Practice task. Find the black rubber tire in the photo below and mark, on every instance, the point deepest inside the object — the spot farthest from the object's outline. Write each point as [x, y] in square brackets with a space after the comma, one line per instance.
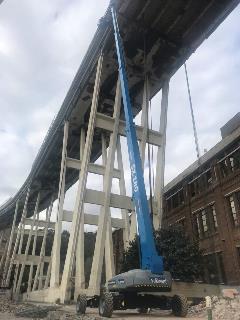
[106, 304]
[179, 306]
[81, 304]
[142, 310]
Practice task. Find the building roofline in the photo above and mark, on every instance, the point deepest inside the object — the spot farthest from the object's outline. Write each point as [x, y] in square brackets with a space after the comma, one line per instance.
[219, 147]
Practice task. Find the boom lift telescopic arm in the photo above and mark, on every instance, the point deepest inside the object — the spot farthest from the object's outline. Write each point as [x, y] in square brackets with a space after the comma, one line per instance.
[150, 260]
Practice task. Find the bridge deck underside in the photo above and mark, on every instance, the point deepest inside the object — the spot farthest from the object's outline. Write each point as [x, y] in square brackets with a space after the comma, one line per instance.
[158, 37]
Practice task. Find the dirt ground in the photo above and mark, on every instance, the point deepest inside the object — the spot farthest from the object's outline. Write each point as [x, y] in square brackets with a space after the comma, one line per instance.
[68, 312]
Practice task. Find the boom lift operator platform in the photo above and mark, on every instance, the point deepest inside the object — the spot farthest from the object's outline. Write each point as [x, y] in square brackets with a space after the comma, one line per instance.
[135, 289]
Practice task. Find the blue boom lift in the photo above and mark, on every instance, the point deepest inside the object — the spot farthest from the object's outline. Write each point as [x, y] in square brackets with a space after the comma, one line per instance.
[135, 289]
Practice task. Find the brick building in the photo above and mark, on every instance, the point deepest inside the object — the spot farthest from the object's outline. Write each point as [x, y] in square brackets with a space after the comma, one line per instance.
[205, 199]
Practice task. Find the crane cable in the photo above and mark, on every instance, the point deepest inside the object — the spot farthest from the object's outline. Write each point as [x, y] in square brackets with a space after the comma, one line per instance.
[192, 115]
[212, 243]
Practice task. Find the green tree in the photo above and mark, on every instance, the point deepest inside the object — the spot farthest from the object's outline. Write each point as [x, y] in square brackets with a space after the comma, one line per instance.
[182, 257]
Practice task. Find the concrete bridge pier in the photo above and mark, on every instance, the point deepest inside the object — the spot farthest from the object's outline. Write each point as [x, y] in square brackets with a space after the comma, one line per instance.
[47, 284]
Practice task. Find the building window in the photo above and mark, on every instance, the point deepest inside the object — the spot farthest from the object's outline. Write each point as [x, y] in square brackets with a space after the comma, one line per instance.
[233, 199]
[180, 223]
[230, 163]
[175, 199]
[196, 226]
[214, 216]
[209, 177]
[224, 168]
[214, 268]
[201, 182]
[205, 221]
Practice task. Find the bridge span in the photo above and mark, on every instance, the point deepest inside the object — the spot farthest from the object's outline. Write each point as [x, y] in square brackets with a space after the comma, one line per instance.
[158, 36]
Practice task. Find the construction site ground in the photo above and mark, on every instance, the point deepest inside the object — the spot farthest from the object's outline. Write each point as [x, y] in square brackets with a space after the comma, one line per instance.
[227, 308]
[68, 312]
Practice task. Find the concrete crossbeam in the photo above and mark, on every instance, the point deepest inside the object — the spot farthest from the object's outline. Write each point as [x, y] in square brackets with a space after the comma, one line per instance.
[41, 223]
[92, 168]
[20, 258]
[107, 123]
[38, 233]
[92, 219]
[116, 200]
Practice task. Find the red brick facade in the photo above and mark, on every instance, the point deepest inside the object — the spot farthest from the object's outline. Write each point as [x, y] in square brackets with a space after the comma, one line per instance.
[205, 199]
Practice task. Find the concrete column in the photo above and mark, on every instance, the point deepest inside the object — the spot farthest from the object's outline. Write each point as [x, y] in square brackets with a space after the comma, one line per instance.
[21, 225]
[27, 246]
[47, 281]
[122, 188]
[9, 249]
[54, 281]
[109, 261]
[95, 277]
[1, 238]
[133, 226]
[40, 277]
[42, 252]
[33, 253]
[18, 263]
[79, 202]
[144, 120]
[3, 249]
[80, 274]
[159, 184]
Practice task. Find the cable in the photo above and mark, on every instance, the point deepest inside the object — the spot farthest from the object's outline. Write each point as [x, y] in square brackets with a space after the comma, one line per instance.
[192, 114]
[200, 168]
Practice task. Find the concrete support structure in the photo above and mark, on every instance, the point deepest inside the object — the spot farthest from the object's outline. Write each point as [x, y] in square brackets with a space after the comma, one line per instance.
[79, 272]
[22, 268]
[160, 166]
[144, 120]
[3, 248]
[42, 252]
[58, 228]
[53, 285]
[78, 207]
[10, 243]
[104, 231]
[18, 240]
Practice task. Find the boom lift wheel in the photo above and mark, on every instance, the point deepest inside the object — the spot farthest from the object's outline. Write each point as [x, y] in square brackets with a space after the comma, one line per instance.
[81, 304]
[179, 306]
[106, 304]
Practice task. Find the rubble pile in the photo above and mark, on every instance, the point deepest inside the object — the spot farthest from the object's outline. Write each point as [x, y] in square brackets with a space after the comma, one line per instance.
[34, 311]
[6, 305]
[198, 310]
[223, 308]
[61, 315]
[24, 309]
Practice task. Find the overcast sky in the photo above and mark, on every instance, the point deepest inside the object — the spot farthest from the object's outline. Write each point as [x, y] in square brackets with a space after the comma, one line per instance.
[42, 44]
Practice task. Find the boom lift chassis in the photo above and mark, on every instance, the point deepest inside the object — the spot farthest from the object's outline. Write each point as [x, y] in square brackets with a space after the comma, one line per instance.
[140, 288]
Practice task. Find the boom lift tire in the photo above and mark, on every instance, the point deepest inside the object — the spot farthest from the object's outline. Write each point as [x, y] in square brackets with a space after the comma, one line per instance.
[81, 304]
[106, 304]
[179, 306]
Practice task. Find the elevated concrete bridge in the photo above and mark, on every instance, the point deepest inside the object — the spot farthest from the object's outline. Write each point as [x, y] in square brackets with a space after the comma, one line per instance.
[158, 37]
